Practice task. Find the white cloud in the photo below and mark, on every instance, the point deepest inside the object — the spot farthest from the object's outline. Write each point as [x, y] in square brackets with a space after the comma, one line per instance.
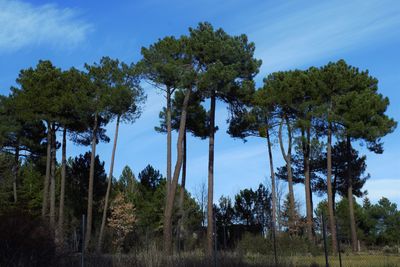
[23, 24]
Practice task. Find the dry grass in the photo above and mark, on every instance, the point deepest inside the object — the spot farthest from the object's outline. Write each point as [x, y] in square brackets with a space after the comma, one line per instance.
[154, 258]
[351, 260]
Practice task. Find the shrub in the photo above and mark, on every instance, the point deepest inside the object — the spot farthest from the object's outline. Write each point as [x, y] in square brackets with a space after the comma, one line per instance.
[25, 241]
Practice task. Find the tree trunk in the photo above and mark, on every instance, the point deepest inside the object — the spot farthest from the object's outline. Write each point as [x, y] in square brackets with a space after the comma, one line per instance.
[331, 202]
[169, 141]
[62, 186]
[182, 192]
[90, 189]
[167, 231]
[53, 178]
[350, 198]
[288, 159]
[103, 220]
[271, 167]
[16, 170]
[45, 200]
[307, 184]
[210, 215]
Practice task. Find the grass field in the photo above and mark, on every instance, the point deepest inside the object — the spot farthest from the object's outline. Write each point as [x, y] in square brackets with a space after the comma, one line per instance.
[361, 260]
[196, 259]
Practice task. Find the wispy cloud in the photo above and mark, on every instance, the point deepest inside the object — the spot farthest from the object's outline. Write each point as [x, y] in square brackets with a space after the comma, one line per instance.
[291, 37]
[24, 24]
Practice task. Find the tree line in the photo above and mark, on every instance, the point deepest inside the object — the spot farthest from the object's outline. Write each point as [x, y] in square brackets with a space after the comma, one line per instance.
[305, 110]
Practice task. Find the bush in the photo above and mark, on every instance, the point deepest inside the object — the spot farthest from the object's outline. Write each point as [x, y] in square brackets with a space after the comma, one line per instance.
[285, 245]
[25, 241]
[255, 244]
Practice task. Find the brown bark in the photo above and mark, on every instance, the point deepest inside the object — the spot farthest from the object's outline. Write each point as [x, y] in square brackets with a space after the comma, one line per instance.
[62, 186]
[183, 184]
[353, 229]
[45, 200]
[307, 185]
[53, 179]
[331, 202]
[90, 189]
[103, 220]
[169, 205]
[169, 141]
[16, 170]
[288, 159]
[271, 167]
[210, 215]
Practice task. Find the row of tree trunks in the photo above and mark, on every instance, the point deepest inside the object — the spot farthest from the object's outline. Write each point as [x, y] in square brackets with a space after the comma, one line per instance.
[49, 190]
[288, 159]
[60, 230]
[331, 201]
[306, 139]
[45, 200]
[182, 192]
[90, 189]
[103, 220]
[16, 170]
[53, 178]
[167, 229]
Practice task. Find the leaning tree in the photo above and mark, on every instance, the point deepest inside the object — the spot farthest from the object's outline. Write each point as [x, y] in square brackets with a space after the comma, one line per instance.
[197, 121]
[162, 66]
[97, 114]
[125, 104]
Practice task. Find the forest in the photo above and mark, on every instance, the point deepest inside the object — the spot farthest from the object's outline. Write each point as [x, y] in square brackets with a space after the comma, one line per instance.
[63, 210]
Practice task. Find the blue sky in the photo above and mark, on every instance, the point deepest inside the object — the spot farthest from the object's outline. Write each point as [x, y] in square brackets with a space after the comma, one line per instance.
[290, 34]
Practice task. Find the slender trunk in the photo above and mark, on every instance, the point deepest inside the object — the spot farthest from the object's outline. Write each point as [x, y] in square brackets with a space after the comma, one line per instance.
[210, 215]
[307, 184]
[53, 179]
[271, 167]
[62, 186]
[288, 159]
[16, 170]
[169, 141]
[183, 183]
[110, 175]
[45, 200]
[90, 189]
[350, 197]
[169, 205]
[330, 195]
[334, 188]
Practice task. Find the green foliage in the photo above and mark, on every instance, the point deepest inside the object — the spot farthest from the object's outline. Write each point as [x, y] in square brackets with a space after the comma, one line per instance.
[164, 63]
[40, 93]
[381, 222]
[127, 182]
[287, 246]
[30, 190]
[150, 178]
[225, 212]
[197, 118]
[6, 166]
[225, 63]
[77, 186]
[147, 194]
